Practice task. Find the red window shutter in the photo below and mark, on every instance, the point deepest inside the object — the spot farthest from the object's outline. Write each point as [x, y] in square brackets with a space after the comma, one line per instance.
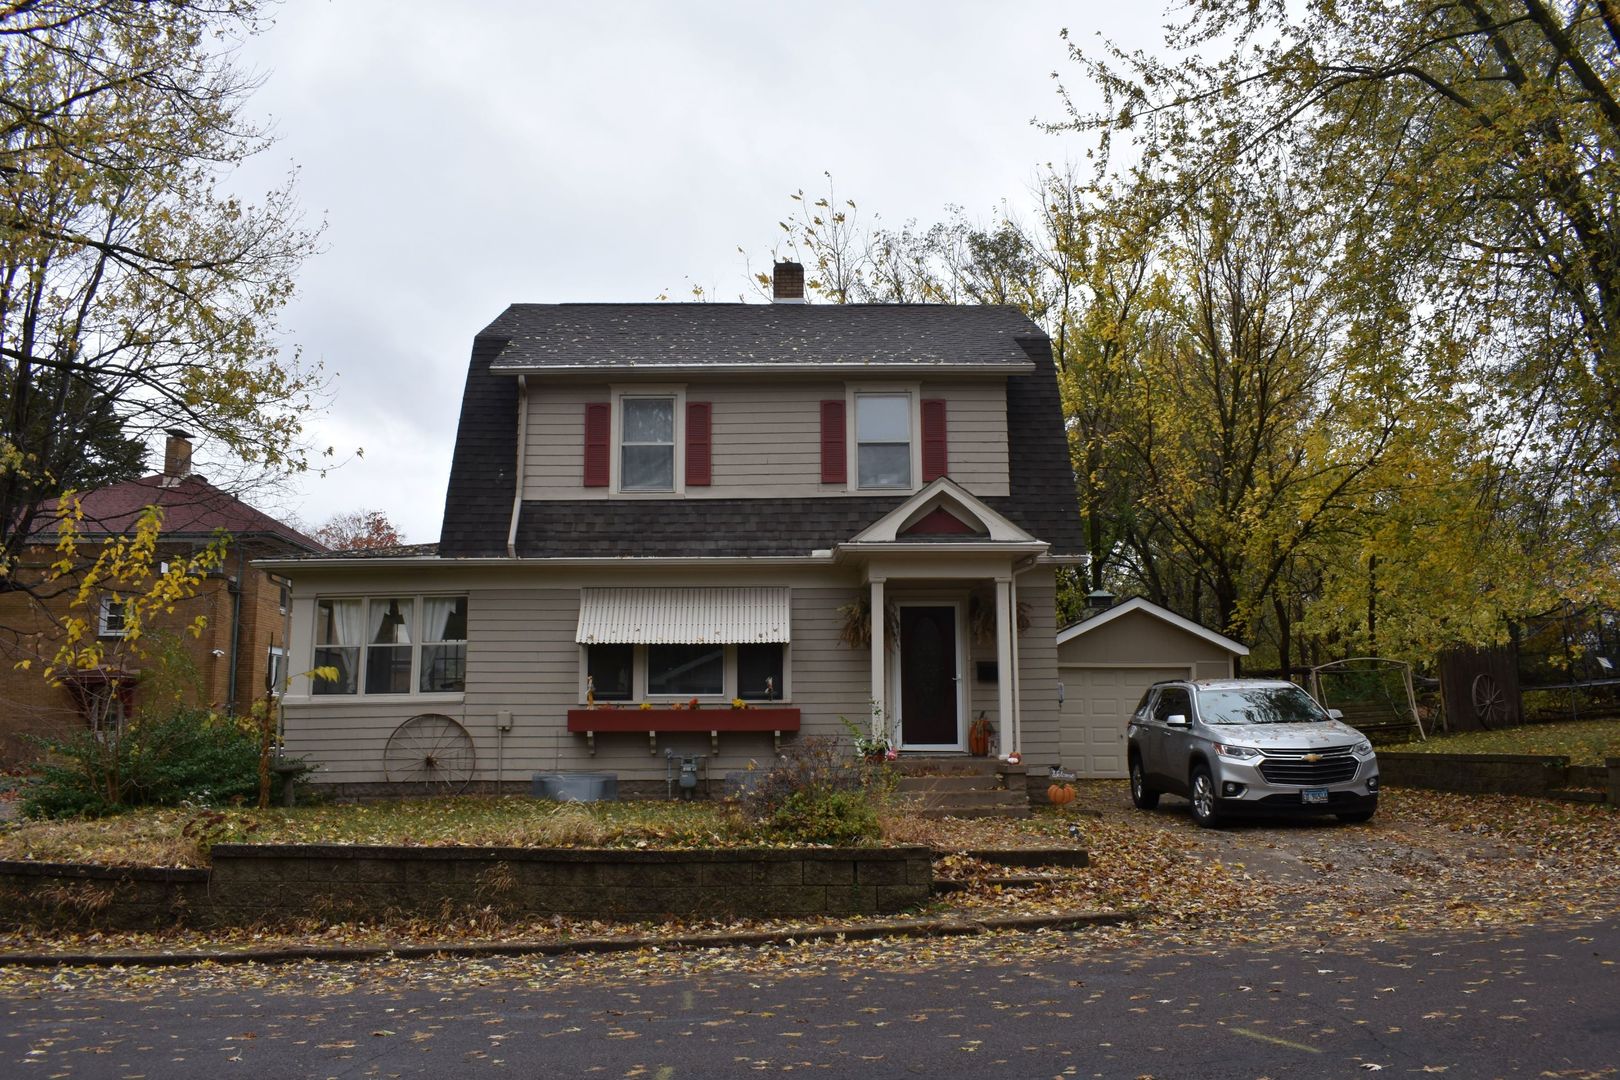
[598, 442]
[833, 454]
[697, 443]
[936, 460]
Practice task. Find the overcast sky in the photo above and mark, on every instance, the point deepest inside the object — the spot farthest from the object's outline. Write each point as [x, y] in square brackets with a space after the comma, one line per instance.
[469, 156]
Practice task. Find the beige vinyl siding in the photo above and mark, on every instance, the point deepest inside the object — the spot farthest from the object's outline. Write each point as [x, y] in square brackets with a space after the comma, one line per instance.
[1037, 668]
[766, 437]
[522, 658]
[1139, 638]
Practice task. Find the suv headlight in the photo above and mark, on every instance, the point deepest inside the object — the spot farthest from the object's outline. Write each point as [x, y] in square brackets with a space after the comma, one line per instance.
[1237, 753]
[1362, 748]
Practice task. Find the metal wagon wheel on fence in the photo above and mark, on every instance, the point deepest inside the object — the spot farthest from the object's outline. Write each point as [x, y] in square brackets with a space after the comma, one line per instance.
[1490, 702]
[432, 753]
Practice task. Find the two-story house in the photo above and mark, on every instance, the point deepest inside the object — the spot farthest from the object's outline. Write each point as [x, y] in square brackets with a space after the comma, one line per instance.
[653, 506]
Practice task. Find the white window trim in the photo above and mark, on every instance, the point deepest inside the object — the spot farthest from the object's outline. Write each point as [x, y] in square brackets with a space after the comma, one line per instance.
[415, 693]
[638, 680]
[675, 391]
[852, 439]
[105, 616]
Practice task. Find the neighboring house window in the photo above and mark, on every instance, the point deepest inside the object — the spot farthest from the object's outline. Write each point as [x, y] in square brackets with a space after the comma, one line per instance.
[681, 670]
[112, 617]
[284, 596]
[883, 440]
[623, 672]
[612, 671]
[444, 644]
[647, 444]
[392, 645]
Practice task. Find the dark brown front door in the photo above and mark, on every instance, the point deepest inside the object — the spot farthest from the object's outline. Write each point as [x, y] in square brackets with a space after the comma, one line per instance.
[928, 677]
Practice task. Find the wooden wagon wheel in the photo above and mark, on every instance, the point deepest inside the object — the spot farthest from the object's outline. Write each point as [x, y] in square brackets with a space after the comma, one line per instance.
[432, 753]
[1490, 703]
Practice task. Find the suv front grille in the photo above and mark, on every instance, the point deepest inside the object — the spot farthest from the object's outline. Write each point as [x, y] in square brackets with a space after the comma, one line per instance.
[1333, 766]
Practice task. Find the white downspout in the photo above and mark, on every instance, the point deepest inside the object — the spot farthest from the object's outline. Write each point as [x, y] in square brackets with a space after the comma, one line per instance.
[522, 451]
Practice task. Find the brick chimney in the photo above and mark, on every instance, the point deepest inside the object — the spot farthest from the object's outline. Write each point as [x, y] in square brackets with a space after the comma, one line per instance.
[787, 283]
[177, 456]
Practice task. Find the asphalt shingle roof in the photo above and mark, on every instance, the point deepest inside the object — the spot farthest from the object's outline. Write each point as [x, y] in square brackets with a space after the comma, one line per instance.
[191, 507]
[657, 336]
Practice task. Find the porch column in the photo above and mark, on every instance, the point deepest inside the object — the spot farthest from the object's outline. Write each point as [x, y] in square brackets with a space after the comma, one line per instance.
[1006, 731]
[880, 712]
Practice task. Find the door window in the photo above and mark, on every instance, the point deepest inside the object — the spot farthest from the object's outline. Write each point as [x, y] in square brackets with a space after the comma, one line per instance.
[1173, 701]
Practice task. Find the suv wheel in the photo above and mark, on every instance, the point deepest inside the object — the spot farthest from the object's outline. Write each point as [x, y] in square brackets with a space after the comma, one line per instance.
[1142, 796]
[1203, 798]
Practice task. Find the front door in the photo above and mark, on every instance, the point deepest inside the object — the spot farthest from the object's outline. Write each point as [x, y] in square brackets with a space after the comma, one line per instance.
[929, 679]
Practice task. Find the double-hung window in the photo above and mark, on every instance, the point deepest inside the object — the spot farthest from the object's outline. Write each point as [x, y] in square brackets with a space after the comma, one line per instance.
[112, 618]
[391, 644]
[883, 440]
[647, 446]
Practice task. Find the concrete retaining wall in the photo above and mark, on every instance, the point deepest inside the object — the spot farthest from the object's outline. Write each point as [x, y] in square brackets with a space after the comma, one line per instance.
[252, 883]
[1502, 774]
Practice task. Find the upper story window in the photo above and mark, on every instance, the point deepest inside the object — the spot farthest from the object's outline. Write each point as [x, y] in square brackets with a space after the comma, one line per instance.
[112, 618]
[391, 645]
[647, 444]
[883, 440]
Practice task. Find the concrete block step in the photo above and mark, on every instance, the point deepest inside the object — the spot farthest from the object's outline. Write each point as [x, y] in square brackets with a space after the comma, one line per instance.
[1579, 795]
[929, 784]
[962, 766]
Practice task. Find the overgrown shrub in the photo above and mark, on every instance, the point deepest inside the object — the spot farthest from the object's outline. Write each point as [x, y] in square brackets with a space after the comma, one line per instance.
[816, 793]
[186, 756]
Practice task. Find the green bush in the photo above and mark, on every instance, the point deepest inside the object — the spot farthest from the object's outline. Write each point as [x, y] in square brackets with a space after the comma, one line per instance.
[825, 817]
[817, 794]
[187, 756]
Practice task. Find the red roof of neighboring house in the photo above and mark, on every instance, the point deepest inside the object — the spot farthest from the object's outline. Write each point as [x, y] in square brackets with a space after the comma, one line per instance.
[191, 506]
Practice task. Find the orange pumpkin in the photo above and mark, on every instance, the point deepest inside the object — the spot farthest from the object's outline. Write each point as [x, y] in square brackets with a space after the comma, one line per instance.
[979, 737]
[1060, 794]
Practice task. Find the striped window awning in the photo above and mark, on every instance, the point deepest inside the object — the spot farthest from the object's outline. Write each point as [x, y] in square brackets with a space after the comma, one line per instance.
[680, 616]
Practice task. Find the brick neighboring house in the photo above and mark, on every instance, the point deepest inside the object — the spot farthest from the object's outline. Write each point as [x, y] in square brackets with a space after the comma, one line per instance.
[246, 607]
[657, 504]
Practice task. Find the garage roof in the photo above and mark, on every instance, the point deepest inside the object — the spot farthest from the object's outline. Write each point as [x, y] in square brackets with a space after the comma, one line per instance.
[1148, 607]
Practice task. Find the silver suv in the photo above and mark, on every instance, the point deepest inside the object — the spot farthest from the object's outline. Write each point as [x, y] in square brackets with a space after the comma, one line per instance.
[1248, 745]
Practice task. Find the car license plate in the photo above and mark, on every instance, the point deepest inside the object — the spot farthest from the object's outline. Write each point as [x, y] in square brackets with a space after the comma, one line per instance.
[1315, 795]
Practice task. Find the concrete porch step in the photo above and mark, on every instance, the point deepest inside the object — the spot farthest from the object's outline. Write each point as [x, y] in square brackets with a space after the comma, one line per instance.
[945, 766]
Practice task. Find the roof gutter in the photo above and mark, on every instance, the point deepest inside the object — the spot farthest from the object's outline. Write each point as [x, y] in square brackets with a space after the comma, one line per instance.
[522, 451]
[751, 368]
[425, 562]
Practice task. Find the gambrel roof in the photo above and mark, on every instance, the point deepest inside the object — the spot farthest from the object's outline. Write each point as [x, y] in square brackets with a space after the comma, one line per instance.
[895, 340]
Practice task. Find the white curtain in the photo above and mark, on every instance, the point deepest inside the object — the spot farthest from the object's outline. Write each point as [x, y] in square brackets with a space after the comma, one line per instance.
[437, 611]
[343, 625]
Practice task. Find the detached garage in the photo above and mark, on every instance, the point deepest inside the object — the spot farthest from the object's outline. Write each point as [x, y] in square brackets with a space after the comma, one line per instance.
[1106, 661]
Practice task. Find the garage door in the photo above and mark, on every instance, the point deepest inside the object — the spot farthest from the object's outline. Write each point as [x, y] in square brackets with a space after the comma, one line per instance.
[1097, 703]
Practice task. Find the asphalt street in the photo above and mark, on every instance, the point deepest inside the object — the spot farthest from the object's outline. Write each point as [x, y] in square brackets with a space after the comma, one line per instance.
[1542, 1001]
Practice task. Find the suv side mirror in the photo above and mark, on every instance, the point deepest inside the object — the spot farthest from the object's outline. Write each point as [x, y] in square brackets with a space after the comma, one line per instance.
[1335, 714]
[1177, 720]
